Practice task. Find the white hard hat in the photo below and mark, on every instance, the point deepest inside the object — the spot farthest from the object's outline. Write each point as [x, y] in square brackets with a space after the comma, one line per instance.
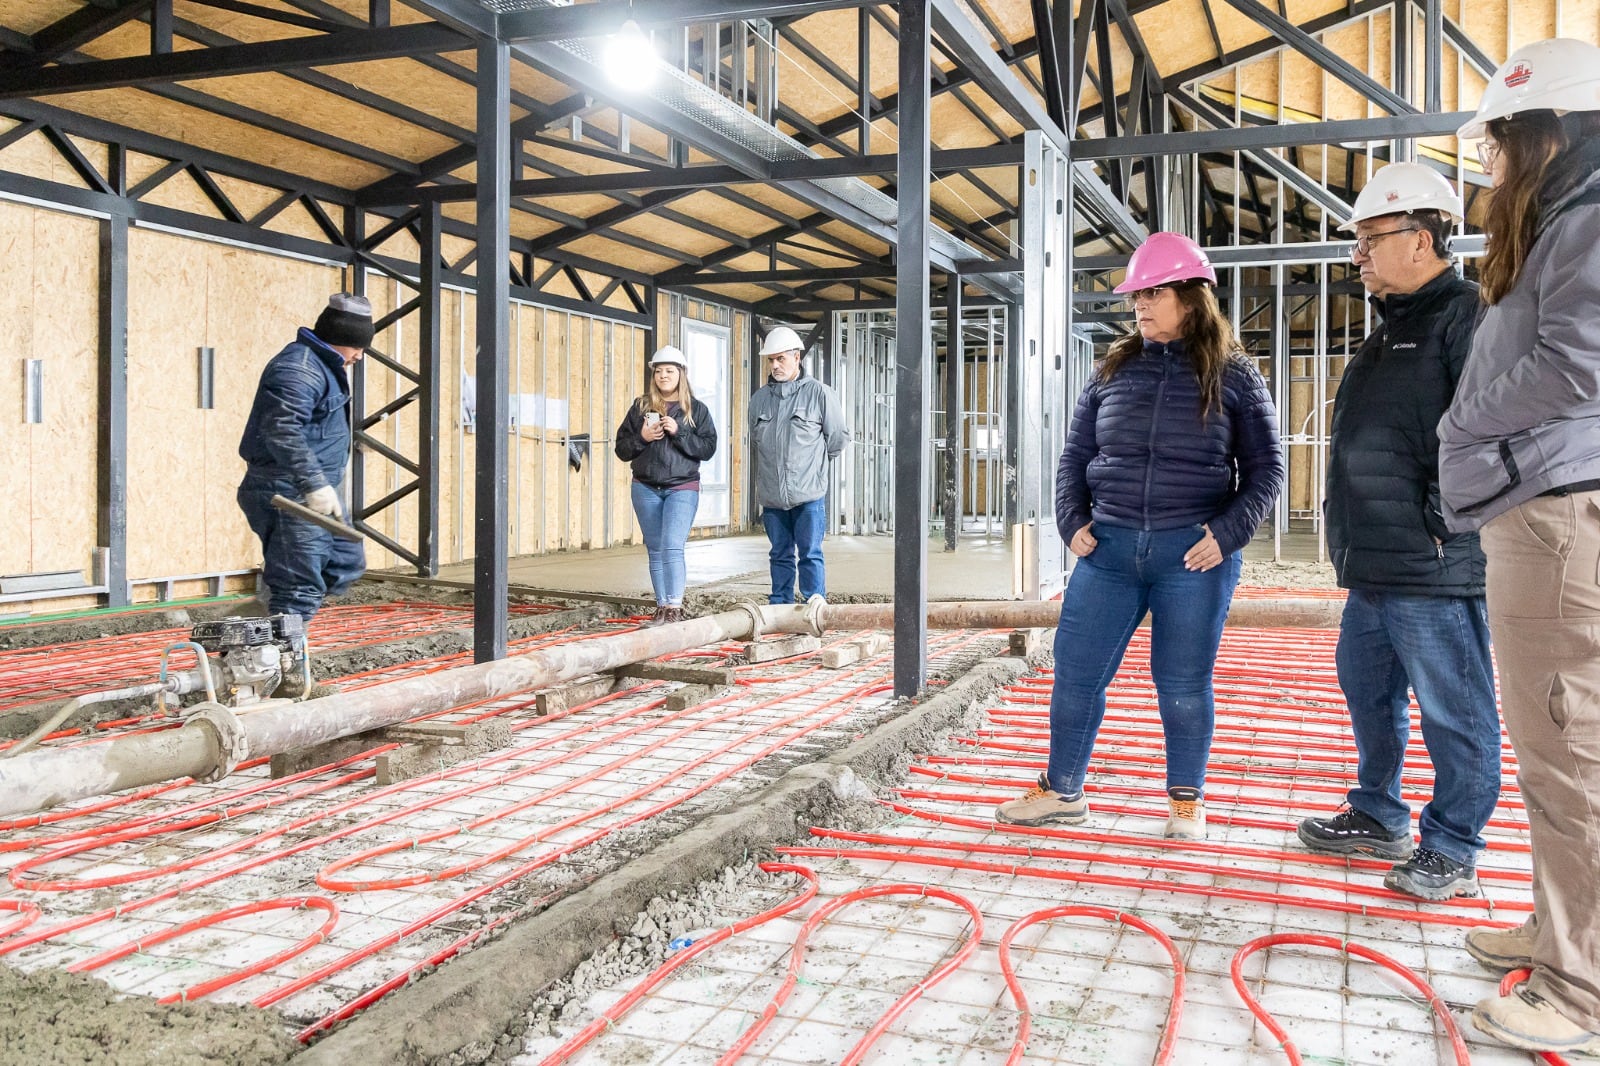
[668, 354]
[1560, 74]
[781, 339]
[1400, 188]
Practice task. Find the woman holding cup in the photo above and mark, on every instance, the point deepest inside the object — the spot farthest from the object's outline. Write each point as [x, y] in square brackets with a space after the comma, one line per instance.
[666, 435]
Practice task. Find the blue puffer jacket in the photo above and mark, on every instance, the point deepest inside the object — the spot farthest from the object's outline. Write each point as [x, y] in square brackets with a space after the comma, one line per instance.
[299, 426]
[1138, 455]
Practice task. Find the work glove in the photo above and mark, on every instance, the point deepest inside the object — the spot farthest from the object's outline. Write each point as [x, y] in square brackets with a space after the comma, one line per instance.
[323, 501]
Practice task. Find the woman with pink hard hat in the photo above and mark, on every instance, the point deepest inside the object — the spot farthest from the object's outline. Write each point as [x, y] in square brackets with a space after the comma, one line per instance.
[1172, 461]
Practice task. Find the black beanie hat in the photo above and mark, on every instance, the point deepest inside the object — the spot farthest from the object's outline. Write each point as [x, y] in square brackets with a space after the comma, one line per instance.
[346, 322]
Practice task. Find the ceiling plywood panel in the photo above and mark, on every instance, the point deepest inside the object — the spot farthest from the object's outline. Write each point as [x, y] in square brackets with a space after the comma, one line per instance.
[808, 89]
[778, 200]
[602, 249]
[180, 122]
[1344, 101]
[1176, 34]
[670, 234]
[726, 213]
[1485, 22]
[1236, 29]
[955, 125]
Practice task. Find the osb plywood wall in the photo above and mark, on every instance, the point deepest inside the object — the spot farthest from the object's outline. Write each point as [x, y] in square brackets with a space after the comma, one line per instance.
[671, 311]
[183, 460]
[572, 376]
[48, 312]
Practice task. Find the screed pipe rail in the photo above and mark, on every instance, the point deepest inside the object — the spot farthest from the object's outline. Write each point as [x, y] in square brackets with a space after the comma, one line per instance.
[214, 739]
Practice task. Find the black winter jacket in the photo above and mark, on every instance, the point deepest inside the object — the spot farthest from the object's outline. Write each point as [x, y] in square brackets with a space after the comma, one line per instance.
[672, 460]
[1138, 455]
[299, 426]
[1386, 529]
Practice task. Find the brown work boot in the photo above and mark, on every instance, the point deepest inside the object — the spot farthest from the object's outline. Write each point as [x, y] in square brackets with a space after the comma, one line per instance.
[1503, 949]
[1041, 805]
[1186, 814]
[674, 614]
[1527, 1020]
[659, 618]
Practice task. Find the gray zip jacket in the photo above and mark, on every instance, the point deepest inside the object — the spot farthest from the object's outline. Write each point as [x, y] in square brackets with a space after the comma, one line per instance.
[795, 428]
[1526, 415]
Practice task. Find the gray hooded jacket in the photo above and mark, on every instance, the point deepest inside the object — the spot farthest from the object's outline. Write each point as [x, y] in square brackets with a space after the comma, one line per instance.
[795, 428]
[1526, 415]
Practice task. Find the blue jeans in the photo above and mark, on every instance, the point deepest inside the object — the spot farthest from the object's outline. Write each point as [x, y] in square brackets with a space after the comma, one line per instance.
[301, 564]
[1438, 646]
[665, 517]
[1129, 572]
[796, 536]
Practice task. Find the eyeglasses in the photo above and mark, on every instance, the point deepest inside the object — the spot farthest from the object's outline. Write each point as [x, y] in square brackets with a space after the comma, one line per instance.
[1146, 295]
[1488, 152]
[1364, 244]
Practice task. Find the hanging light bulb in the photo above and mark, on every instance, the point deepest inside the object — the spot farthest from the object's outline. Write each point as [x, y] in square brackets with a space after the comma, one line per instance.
[630, 59]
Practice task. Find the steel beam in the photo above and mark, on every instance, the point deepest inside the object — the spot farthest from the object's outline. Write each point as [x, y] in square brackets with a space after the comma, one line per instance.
[959, 37]
[1291, 175]
[72, 31]
[1271, 135]
[913, 342]
[1268, 254]
[1321, 54]
[354, 46]
[489, 615]
[604, 17]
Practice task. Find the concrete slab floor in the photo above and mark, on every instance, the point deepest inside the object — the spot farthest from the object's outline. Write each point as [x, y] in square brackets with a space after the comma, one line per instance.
[979, 569]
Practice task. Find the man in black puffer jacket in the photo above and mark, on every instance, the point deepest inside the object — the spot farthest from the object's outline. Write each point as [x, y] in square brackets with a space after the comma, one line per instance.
[1415, 619]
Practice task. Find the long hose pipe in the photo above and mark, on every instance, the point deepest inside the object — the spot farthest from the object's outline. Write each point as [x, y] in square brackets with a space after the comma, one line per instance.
[215, 739]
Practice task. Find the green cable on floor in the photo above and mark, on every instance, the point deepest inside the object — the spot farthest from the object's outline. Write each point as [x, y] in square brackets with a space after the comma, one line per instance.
[107, 612]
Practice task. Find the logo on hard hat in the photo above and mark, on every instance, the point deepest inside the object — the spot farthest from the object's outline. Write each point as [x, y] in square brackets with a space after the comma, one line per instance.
[1518, 76]
[1392, 197]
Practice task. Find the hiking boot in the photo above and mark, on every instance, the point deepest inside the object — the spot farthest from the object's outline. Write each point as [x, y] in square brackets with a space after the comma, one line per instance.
[657, 619]
[1186, 817]
[1527, 1020]
[1041, 805]
[1352, 832]
[1503, 949]
[674, 614]
[1430, 874]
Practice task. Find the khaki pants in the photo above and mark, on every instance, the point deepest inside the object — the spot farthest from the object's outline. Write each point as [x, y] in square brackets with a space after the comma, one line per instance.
[1544, 613]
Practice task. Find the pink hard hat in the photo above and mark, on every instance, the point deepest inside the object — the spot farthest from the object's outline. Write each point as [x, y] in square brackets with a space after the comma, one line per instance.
[1164, 258]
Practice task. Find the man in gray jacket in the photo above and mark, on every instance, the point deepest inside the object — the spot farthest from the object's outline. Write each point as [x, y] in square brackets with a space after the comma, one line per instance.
[796, 426]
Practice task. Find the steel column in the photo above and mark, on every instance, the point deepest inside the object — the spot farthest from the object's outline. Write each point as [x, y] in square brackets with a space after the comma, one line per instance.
[954, 364]
[913, 342]
[429, 342]
[494, 346]
[112, 448]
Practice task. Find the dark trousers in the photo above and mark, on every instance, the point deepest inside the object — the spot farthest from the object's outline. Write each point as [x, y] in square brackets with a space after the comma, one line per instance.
[301, 564]
[1390, 645]
[796, 536]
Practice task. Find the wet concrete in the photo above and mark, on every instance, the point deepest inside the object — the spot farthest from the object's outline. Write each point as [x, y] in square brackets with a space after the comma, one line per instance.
[476, 1008]
[325, 666]
[53, 1018]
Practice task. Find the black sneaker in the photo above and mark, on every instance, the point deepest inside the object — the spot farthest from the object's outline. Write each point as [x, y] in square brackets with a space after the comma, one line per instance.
[1352, 832]
[1432, 875]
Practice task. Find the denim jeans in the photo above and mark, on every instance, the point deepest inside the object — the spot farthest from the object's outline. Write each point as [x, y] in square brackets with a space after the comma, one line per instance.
[1390, 643]
[796, 536]
[301, 564]
[1129, 572]
[665, 516]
